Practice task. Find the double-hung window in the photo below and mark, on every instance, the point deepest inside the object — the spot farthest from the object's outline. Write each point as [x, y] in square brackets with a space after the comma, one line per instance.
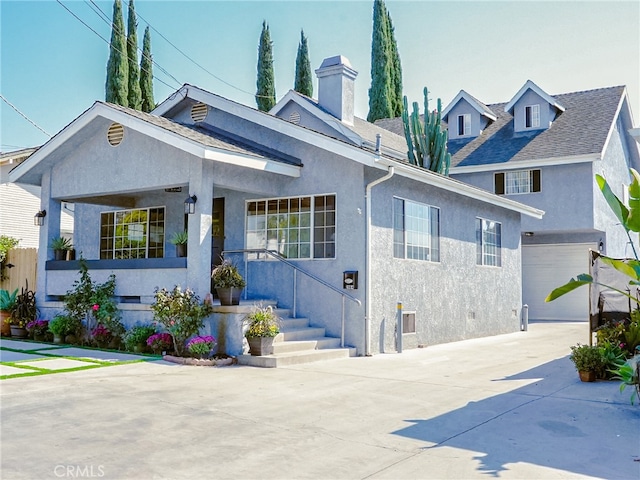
[464, 124]
[488, 242]
[137, 233]
[298, 227]
[517, 181]
[532, 116]
[416, 231]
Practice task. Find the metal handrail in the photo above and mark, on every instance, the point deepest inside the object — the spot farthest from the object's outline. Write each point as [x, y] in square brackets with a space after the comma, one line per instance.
[296, 269]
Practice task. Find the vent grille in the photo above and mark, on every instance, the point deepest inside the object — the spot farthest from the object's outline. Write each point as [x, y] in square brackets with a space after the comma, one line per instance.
[294, 117]
[199, 112]
[115, 134]
[409, 322]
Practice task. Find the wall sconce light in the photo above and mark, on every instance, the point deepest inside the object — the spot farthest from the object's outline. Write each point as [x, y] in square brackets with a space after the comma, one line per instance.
[190, 204]
[38, 218]
[601, 246]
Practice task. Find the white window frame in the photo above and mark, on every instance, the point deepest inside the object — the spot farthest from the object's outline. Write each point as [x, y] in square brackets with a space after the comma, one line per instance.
[153, 231]
[517, 182]
[533, 115]
[466, 124]
[313, 229]
[488, 253]
[418, 241]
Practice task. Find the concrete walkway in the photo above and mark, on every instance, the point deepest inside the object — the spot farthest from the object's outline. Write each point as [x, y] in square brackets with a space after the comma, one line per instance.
[510, 406]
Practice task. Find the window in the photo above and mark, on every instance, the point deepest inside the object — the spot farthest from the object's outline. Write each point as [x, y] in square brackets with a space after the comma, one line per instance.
[416, 231]
[488, 242]
[126, 234]
[532, 116]
[464, 124]
[301, 227]
[517, 181]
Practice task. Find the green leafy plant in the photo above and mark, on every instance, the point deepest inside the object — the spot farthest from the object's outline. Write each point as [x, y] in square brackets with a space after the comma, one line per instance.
[262, 322]
[612, 357]
[226, 275]
[138, 335]
[7, 300]
[24, 309]
[180, 238]
[587, 358]
[628, 375]
[6, 244]
[201, 346]
[64, 325]
[60, 243]
[181, 314]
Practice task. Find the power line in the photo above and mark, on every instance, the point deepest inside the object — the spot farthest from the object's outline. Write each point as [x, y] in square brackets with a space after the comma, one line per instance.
[24, 116]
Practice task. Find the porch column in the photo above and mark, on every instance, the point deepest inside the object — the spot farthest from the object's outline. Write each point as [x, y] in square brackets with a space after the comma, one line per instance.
[199, 243]
[49, 229]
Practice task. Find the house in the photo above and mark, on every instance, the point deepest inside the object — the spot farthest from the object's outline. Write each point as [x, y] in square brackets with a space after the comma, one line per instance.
[331, 193]
[545, 150]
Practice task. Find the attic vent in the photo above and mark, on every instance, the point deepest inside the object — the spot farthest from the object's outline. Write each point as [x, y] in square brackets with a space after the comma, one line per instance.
[294, 117]
[199, 112]
[115, 134]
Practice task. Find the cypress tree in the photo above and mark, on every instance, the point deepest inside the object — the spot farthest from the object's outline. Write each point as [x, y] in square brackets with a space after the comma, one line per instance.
[381, 93]
[396, 70]
[304, 80]
[135, 96]
[146, 74]
[116, 87]
[266, 84]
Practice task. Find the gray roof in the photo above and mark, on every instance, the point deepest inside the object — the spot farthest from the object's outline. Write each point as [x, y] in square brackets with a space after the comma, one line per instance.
[581, 129]
[208, 138]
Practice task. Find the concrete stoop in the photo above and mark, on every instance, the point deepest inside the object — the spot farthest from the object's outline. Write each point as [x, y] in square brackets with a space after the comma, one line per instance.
[298, 343]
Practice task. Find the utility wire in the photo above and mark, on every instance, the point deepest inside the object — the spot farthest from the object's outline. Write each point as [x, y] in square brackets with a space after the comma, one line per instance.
[24, 116]
[109, 43]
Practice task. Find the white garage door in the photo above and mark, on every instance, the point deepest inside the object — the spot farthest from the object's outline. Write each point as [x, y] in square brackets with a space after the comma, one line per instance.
[545, 267]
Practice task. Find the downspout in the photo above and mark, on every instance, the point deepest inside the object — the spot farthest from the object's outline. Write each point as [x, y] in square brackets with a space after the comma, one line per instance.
[367, 311]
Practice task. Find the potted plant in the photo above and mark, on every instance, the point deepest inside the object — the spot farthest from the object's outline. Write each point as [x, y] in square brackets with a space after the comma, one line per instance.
[159, 342]
[60, 245]
[588, 361]
[23, 311]
[228, 283]
[64, 328]
[7, 300]
[262, 327]
[180, 239]
[135, 340]
[201, 346]
[38, 330]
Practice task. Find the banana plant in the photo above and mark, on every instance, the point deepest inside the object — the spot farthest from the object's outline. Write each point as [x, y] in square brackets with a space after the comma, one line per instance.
[629, 218]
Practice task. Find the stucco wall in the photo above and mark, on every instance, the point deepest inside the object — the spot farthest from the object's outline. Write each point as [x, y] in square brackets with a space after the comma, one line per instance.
[461, 108]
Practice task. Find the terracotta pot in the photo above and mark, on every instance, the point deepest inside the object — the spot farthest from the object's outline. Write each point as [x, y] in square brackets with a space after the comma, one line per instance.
[587, 376]
[259, 346]
[6, 328]
[229, 296]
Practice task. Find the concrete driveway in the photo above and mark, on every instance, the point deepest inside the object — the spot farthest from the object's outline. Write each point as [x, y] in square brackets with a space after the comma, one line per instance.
[510, 406]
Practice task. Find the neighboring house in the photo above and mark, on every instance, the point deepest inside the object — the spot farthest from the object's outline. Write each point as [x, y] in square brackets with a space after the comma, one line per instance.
[19, 203]
[544, 151]
[309, 180]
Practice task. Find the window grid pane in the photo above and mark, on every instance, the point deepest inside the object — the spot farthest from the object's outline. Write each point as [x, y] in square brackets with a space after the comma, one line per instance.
[127, 234]
[519, 181]
[416, 231]
[488, 243]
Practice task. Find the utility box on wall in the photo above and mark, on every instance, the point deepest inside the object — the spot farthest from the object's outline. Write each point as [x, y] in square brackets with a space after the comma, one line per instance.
[350, 280]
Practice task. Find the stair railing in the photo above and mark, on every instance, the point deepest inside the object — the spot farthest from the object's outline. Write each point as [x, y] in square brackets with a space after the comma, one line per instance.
[275, 255]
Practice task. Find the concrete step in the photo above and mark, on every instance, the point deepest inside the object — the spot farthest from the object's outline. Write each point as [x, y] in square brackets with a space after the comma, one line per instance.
[308, 333]
[301, 345]
[296, 358]
[289, 323]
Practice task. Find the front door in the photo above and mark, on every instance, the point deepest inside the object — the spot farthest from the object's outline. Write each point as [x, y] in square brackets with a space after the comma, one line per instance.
[217, 233]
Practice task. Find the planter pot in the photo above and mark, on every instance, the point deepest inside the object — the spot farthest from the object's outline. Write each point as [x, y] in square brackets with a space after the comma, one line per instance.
[229, 296]
[138, 348]
[6, 328]
[259, 346]
[71, 339]
[71, 254]
[181, 250]
[18, 332]
[57, 338]
[587, 376]
[59, 254]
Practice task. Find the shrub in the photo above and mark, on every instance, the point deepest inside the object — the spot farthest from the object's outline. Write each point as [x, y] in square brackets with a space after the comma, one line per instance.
[587, 358]
[159, 342]
[64, 325]
[38, 327]
[138, 335]
[101, 335]
[201, 346]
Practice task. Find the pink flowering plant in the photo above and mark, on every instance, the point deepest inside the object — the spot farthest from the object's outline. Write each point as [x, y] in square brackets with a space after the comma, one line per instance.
[38, 327]
[201, 346]
[181, 314]
[101, 335]
[159, 342]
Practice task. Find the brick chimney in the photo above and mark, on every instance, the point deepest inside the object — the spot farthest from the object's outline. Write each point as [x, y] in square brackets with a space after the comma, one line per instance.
[336, 79]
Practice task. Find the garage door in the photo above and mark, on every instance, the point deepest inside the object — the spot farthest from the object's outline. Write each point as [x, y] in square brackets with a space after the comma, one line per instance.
[545, 267]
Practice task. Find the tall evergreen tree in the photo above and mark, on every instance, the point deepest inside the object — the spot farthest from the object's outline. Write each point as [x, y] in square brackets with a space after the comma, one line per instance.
[116, 87]
[385, 94]
[266, 84]
[304, 80]
[396, 70]
[135, 96]
[146, 74]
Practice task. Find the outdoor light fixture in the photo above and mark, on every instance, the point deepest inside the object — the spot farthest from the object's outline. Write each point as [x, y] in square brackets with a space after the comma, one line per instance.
[38, 218]
[190, 204]
[601, 246]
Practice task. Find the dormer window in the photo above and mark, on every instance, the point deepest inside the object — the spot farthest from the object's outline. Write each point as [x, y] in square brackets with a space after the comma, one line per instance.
[464, 124]
[532, 116]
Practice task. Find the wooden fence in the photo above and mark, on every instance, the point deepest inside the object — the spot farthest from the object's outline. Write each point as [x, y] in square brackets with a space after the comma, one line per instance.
[23, 271]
